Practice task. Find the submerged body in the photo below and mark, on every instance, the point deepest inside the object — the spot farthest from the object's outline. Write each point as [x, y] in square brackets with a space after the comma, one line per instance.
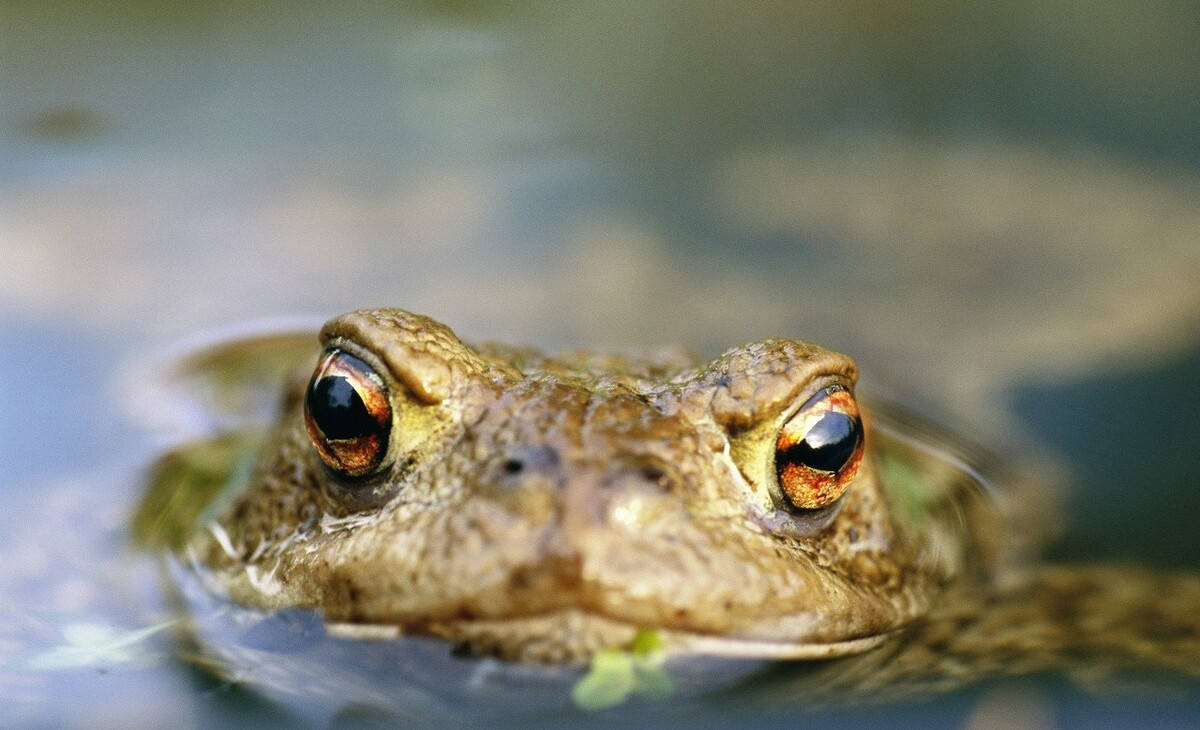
[546, 508]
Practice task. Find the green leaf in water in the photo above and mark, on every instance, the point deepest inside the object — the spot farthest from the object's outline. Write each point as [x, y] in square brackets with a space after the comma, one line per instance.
[615, 675]
[608, 683]
[647, 643]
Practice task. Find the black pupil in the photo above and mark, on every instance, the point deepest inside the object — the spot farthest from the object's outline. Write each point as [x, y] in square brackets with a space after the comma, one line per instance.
[338, 410]
[828, 445]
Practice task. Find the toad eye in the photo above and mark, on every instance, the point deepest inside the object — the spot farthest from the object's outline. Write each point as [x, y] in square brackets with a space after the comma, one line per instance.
[347, 414]
[819, 449]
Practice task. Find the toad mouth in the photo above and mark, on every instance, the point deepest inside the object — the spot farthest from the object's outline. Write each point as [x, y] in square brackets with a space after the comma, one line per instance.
[574, 635]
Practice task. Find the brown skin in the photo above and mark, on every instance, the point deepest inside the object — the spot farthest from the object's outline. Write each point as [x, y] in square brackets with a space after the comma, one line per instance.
[545, 507]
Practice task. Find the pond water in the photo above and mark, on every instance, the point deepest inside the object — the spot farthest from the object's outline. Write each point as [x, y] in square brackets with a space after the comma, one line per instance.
[995, 210]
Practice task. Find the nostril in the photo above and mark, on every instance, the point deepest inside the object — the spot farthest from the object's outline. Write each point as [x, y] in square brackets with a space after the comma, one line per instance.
[529, 459]
[524, 479]
[635, 494]
[654, 474]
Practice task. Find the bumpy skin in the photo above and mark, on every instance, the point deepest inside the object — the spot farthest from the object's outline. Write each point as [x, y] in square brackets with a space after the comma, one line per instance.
[644, 496]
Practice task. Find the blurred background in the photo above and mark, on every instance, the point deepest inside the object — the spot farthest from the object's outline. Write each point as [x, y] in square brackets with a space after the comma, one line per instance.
[993, 206]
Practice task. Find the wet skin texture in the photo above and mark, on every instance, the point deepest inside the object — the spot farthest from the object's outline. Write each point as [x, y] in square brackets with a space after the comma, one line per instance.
[543, 507]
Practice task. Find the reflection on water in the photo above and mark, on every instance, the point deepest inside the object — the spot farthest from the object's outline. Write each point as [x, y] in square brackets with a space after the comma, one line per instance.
[992, 201]
[1135, 505]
